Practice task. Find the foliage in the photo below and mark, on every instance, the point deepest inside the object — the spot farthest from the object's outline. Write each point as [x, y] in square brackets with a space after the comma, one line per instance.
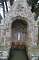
[35, 6]
[32, 2]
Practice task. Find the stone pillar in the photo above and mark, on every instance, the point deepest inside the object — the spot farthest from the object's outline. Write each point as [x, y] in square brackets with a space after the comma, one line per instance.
[35, 34]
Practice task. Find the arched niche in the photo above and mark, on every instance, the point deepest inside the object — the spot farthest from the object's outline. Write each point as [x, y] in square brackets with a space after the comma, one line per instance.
[28, 29]
[26, 26]
[19, 31]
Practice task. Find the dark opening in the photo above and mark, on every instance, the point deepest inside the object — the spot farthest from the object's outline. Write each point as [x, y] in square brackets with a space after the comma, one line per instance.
[19, 24]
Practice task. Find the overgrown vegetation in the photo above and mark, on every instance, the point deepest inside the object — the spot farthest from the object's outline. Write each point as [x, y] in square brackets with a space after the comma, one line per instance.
[35, 7]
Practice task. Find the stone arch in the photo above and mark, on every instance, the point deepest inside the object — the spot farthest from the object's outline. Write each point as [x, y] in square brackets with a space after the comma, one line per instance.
[30, 29]
[22, 18]
[29, 24]
[19, 26]
[17, 21]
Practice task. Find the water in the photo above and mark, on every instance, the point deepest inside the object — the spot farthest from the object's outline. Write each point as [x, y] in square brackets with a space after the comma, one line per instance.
[17, 54]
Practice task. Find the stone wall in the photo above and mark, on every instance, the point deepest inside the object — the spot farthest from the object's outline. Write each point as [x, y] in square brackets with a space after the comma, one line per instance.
[19, 11]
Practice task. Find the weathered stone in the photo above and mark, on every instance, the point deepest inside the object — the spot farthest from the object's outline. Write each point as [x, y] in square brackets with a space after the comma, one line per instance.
[20, 10]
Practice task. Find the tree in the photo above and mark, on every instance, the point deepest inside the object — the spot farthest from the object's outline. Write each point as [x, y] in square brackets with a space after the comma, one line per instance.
[34, 7]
